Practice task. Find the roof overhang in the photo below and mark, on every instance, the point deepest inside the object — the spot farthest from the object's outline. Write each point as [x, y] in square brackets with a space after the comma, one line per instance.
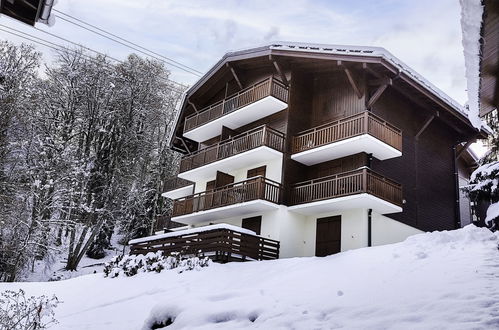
[368, 55]
[489, 58]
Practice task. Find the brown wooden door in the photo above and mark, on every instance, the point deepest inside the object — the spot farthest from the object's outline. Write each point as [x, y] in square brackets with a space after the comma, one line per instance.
[223, 196]
[207, 201]
[253, 223]
[328, 236]
[223, 179]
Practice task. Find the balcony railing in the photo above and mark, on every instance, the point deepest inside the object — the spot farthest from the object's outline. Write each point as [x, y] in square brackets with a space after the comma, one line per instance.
[176, 183]
[359, 124]
[349, 183]
[268, 87]
[257, 137]
[219, 243]
[255, 188]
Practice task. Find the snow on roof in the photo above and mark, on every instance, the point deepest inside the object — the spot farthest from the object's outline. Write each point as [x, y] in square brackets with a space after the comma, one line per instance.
[192, 231]
[374, 52]
[471, 22]
[378, 52]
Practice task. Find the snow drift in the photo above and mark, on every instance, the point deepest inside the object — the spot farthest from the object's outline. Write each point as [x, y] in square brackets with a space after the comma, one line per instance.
[443, 280]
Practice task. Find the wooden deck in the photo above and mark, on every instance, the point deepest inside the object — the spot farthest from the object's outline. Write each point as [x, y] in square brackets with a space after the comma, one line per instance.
[220, 244]
[359, 124]
[252, 189]
[350, 183]
[254, 138]
[267, 87]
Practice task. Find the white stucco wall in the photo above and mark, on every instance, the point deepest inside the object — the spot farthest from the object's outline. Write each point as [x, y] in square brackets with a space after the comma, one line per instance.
[387, 231]
[353, 230]
[281, 225]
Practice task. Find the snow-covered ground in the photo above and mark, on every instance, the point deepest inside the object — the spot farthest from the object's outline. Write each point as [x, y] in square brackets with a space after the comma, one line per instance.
[52, 265]
[440, 280]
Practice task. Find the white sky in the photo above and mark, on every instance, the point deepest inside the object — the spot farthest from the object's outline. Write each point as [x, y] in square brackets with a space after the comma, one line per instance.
[425, 34]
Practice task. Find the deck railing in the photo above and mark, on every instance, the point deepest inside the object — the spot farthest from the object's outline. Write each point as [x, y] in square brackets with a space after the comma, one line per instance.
[362, 123]
[176, 183]
[267, 87]
[349, 183]
[220, 244]
[257, 137]
[255, 188]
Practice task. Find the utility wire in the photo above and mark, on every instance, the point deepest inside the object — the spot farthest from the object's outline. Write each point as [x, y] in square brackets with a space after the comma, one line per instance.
[92, 50]
[58, 47]
[130, 42]
[126, 45]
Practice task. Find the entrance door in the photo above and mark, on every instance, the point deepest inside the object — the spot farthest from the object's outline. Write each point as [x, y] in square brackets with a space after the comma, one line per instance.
[328, 236]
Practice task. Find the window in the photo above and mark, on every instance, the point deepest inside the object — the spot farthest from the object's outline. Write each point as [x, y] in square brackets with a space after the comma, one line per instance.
[253, 223]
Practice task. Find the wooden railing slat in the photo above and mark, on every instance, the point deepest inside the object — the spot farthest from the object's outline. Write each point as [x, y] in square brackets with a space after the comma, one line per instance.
[224, 242]
[268, 87]
[260, 136]
[362, 123]
[344, 184]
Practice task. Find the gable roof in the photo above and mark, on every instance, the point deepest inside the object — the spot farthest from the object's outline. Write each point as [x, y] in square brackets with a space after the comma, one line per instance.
[352, 51]
[362, 54]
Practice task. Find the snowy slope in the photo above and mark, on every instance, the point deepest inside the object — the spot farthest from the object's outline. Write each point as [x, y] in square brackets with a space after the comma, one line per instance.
[440, 280]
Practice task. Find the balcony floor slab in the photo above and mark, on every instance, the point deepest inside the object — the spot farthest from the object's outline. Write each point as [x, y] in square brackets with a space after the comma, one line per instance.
[359, 201]
[179, 192]
[247, 114]
[244, 159]
[227, 212]
[363, 143]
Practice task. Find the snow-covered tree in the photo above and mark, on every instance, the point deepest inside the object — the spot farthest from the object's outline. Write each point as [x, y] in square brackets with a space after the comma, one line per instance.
[485, 188]
[83, 152]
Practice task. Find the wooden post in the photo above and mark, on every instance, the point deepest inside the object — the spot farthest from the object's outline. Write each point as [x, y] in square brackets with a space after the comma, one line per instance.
[366, 122]
[364, 180]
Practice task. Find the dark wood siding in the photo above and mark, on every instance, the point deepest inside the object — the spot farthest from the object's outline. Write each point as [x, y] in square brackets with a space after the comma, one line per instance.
[317, 96]
[425, 168]
[334, 98]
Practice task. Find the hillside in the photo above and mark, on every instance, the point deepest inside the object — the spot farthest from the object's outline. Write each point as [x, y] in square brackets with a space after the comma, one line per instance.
[442, 280]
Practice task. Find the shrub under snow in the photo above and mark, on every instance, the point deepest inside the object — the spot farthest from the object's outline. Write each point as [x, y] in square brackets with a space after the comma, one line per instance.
[130, 265]
[18, 312]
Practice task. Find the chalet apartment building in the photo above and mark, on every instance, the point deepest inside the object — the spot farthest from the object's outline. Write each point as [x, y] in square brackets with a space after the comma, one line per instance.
[322, 148]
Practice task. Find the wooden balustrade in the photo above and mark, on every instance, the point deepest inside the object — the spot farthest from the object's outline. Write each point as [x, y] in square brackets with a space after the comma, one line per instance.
[362, 123]
[349, 183]
[257, 137]
[176, 183]
[267, 87]
[252, 189]
[220, 244]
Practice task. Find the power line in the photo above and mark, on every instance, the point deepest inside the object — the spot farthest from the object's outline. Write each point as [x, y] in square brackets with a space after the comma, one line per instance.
[134, 48]
[130, 42]
[61, 47]
[90, 49]
[58, 47]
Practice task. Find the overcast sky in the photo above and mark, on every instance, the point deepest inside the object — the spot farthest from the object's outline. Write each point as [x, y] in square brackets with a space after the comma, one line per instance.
[425, 34]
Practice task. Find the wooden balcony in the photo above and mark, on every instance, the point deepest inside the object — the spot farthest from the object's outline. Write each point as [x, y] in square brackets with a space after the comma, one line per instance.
[248, 105]
[262, 136]
[177, 187]
[252, 195]
[363, 132]
[222, 243]
[361, 188]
